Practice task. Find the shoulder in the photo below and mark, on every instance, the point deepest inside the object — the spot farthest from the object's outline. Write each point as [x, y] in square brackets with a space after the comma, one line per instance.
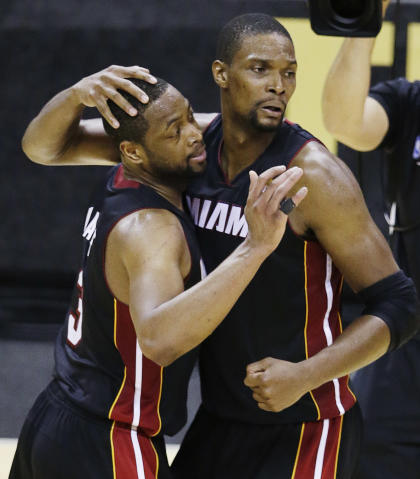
[147, 230]
[332, 189]
[320, 166]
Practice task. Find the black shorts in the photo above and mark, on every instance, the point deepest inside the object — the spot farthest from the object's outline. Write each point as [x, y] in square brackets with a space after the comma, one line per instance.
[59, 441]
[216, 448]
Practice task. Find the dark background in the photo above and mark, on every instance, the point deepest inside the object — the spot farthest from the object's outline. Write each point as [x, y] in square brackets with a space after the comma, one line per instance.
[46, 46]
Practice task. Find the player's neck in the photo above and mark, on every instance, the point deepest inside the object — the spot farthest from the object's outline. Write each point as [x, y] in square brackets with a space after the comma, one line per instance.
[170, 191]
[173, 195]
[242, 145]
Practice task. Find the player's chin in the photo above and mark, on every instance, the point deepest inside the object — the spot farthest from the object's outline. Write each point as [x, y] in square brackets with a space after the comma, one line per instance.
[269, 124]
[197, 168]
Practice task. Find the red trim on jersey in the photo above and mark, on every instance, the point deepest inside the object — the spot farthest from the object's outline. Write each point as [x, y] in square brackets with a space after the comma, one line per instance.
[291, 123]
[120, 181]
[146, 405]
[315, 335]
[301, 148]
[150, 398]
[124, 456]
[313, 449]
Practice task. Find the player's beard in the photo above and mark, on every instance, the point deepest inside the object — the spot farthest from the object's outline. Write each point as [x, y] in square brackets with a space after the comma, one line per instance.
[176, 175]
[255, 122]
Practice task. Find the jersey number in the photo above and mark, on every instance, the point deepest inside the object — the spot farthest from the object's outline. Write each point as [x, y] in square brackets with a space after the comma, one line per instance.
[74, 328]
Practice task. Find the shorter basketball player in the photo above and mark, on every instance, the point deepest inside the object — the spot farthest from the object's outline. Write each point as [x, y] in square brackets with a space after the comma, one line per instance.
[138, 304]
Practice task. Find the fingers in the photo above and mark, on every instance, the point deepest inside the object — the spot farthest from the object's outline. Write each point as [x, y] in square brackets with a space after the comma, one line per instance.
[300, 195]
[104, 110]
[135, 72]
[265, 179]
[117, 80]
[253, 180]
[259, 397]
[258, 366]
[255, 372]
[264, 407]
[252, 380]
[287, 205]
[97, 89]
[268, 190]
[122, 73]
[282, 185]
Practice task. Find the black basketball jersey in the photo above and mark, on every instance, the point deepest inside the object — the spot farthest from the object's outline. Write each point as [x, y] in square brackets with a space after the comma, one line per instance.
[99, 363]
[290, 310]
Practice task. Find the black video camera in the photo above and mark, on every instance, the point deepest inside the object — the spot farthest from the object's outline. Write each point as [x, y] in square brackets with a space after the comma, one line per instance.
[346, 18]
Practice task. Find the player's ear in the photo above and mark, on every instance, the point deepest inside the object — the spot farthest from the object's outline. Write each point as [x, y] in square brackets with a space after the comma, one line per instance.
[132, 151]
[220, 73]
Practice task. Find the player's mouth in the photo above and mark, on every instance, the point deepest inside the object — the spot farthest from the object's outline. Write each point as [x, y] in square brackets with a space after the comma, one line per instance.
[274, 111]
[273, 107]
[199, 156]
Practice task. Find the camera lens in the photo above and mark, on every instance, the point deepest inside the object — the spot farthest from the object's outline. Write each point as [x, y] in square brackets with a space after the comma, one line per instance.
[348, 8]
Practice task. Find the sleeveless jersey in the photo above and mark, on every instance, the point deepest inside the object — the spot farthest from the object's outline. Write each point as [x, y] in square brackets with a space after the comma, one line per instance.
[99, 363]
[289, 311]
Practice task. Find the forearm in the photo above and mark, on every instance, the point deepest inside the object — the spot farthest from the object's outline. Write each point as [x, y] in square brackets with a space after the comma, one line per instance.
[182, 323]
[361, 343]
[347, 86]
[54, 128]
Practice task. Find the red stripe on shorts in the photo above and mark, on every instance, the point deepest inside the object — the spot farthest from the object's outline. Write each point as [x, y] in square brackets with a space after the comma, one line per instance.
[134, 456]
[318, 449]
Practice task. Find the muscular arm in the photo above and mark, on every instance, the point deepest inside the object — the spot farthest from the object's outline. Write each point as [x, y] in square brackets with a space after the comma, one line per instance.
[336, 213]
[340, 220]
[147, 261]
[168, 320]
[349, 113]
[58, 136]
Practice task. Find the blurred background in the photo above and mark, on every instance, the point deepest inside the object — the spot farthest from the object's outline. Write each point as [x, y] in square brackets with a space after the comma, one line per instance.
[47, 46]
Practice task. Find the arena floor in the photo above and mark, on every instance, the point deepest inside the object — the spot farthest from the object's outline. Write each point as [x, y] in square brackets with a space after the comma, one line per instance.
[7, 449]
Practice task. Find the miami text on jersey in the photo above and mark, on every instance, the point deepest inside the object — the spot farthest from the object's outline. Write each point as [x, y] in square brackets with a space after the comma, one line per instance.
[223, 217]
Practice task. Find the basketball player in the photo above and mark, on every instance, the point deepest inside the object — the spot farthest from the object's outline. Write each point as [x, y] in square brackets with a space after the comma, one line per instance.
[275, 386]
[113, 394]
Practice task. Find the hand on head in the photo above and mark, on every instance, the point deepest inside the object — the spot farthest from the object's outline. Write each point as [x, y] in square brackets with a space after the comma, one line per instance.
[95, 90]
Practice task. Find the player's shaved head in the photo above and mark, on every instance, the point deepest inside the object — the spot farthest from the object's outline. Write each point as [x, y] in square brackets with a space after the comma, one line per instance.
[134, 128]
[249, 24]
